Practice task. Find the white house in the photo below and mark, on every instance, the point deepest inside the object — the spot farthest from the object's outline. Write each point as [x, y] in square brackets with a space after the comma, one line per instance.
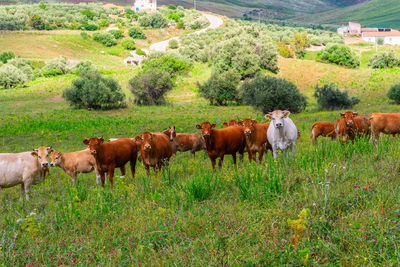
[145, 6]
[388, 37]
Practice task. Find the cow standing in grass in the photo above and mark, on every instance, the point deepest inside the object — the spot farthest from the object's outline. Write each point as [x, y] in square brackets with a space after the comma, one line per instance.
[322, 128]
[282, 133]
[384, 123]
[26, 169]
[184, 141]
[221, 142]
[350, 125]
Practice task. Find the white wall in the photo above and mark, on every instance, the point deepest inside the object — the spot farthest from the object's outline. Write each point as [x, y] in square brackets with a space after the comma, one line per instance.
[391, 40]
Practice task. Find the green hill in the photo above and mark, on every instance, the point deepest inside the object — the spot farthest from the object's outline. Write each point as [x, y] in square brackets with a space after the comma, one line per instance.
[375, 13]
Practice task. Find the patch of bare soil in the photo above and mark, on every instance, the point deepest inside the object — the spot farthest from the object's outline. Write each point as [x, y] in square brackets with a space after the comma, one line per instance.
[55, 98]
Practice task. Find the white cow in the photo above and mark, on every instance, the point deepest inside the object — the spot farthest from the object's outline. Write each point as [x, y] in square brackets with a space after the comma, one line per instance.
[24, 168]
[282, 133]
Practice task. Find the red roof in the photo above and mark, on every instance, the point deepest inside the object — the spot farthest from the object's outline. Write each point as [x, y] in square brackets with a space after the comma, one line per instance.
[369, 29]
[354, 24]
[381, 34]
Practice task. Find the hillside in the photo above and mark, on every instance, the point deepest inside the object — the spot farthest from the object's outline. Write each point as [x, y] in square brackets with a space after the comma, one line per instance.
[375, 13]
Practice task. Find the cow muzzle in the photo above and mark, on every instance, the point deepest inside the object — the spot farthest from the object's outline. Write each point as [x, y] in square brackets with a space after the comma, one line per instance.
[278, 125]
[45, 164]
[52, 165]
[247, 132]
[93, 152]
[147, 147]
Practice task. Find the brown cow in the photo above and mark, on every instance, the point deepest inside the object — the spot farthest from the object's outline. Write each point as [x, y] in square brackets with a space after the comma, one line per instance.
[184, 141]
[155, 150]
[221, 142]
[351, 125]
[76, 162]
[231, 123]
[384, 123]
[326, 129]
[112, 155]
[256, 137]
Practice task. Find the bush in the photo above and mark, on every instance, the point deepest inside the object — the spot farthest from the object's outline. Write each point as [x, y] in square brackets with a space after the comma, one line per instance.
[171, 6]
[394, 93]
[10, 76]
[88, 27]
[118, 34]
[140, 52]
[5, 56]
[106, 39]
[57, 66]
[195, 25]
[383, 60]
[93, 91]
[104, 23]
[181, 25]
[84, 35]
[82, 67]
[339, 54]
[136, 33]
[220, 88]
[23, 66]
[173, 44]
[128, 43]
[89, 14]
[169, 62]
[36, 22]
[268, 93]
[150, 86]
[174, 16]
[330, 97]
[153, 20]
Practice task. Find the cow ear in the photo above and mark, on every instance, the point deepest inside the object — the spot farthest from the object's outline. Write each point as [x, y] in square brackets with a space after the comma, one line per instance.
[36, 150]
[268, 116]
[174, 127]
[355, 114]
[286, 113]
[51, 151]
[85, 141]
[342, 115]
[34, 154]
[225, 124]
[48, 148]
[198, 127]
[240, 123]
[213, 125]
[254, 121]
[101, 140]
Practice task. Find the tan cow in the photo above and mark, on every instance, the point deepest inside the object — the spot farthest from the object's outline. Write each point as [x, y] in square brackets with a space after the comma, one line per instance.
[384, 123]
[26, 168]
[322, 128]
[184, 141]
[75, 162]
[351, 125]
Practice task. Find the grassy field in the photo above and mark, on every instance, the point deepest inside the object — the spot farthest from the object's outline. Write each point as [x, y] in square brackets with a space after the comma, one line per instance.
[189, 215]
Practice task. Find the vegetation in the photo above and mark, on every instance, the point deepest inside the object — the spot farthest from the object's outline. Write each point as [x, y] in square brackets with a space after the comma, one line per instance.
[173, 44]
[57, 66]
[339, 54]
[104, 38]
[384, 60]
[136, 33]
[267, 93]
[128, 43]
[171, 63]
[394, 93]
[5, 56]
[329, 97]
[93, 91]
[153, 20]
[118, 34]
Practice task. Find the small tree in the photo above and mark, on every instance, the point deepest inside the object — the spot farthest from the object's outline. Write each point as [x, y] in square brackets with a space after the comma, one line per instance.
[10, 76]
[5, 56]
[339, 54]
[128, 43]
[153, 20]
[394, 93]
[173, 44]
[36, 22]
[170, 62]
[150, 86]
[136, 33]
[57, 66]
[221, 87]
[89, 14]
[330, 97]
[93, 91]
[118, 34]
[268, 93]
[106, 39]
[383, 60]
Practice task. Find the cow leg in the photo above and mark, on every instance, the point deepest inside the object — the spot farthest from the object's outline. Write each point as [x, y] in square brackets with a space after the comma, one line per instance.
[122, 168]
[274, 151]
[234, 158]
[260, 154]
[102, 178]
[27, 188]
[22, 192]
[147, 167]
[111, 175]
[97, 176]
[133, 166]
[193, 154]
[293, 148]
[221, 159]
[73, 177]
[213, 162]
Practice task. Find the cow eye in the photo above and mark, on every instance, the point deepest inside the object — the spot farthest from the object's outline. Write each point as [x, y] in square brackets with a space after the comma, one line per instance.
[39, 157]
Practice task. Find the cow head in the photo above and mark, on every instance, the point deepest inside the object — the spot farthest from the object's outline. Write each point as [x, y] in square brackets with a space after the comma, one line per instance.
[93, 144]
[206, 128]
[231, 123]
[277, 118]
[349, 117]
[170, 133]
[147, 140]
[248, 126]
[55, 159]
[42, 154]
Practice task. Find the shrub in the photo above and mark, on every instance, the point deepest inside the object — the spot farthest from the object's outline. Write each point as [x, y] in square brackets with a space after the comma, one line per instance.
[383, 60]
[57, 66]
[104, 23]
[118, 34]
[82, 67]
[173, 44]
[153, 20]
[330, 97]
[195, 25]
[169, 62]
[23, 66]
[11, 76]
[5, 56]
[88, 27]
[88, 13]
[84, 35]
[128, 43]
[150, 86]
[136, 33]
[394, 93]
[93, 91]
[181, 25]
[42, 5]
[339, 54]
[379, 41]
[36, 22]
[268, 93]
[221, 87]
[174, 16]
[171, 6]
[140, 52]
[105, 38]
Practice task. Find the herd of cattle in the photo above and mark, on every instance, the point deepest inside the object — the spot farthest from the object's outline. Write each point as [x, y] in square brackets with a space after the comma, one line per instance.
[155, 149]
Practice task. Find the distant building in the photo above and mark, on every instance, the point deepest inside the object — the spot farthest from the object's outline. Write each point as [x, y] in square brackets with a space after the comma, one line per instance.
[145, 6]
[391, 37]
[353, 29]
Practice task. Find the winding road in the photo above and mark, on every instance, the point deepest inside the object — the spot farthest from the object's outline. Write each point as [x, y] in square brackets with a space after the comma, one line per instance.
[215, 22]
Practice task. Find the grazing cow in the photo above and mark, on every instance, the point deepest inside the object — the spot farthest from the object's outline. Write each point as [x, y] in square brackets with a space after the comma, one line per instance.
[351, 125]
[282, 133]
[155, 150]
[26, 168]
[111, 155]
[256, 138]
[326, 129]
[184, 141]
[221, 142]
[76, 162]
[231, 123]
[384, 123]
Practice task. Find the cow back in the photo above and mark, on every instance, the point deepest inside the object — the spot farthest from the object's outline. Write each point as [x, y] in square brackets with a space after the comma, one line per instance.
[388, 123]
[226, 140]
[161, 148]
[117, 152]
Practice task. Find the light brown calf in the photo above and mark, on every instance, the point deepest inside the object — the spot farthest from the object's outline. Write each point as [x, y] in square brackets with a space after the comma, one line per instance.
[326, 129]
[185, 141]
[384, 123]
